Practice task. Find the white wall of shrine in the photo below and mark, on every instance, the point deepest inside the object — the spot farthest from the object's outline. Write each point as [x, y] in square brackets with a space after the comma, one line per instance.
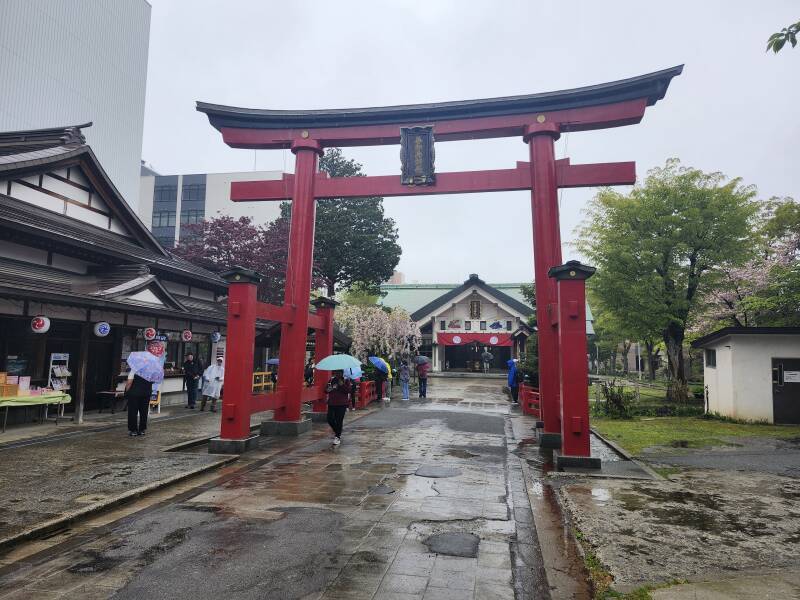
[458, 318]
[66, 192]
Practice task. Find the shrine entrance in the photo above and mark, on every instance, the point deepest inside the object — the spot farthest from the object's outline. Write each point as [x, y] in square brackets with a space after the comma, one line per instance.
[538, 119]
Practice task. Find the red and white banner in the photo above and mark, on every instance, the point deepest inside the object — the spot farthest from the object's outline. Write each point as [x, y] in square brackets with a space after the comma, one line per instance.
[486, 339]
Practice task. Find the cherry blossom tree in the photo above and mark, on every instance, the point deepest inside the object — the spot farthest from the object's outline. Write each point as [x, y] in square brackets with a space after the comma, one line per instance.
[376, 331]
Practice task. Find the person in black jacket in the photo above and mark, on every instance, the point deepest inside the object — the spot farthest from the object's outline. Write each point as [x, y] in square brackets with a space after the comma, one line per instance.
[192, 371]
[137, 392]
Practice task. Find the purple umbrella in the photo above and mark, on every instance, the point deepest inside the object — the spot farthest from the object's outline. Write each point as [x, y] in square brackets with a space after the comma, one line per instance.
[147, 366]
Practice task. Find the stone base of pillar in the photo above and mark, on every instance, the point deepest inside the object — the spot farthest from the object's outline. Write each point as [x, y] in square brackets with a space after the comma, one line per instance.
[576, 462]
[224, 446]
[550, 440]
[285, 428]
[319, 417]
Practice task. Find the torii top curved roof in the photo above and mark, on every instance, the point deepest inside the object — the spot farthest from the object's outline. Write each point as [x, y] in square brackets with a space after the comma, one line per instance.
[652, 87]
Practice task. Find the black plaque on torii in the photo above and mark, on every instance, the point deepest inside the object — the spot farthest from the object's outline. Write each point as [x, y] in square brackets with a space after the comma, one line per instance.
[417, 156]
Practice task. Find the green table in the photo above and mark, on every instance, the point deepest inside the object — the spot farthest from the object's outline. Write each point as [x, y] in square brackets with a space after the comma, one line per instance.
[59, 398]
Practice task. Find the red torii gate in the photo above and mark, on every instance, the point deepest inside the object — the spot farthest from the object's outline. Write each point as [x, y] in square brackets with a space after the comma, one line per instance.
[539, 119]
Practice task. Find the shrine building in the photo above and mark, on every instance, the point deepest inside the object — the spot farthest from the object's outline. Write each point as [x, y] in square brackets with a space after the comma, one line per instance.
[460, 321]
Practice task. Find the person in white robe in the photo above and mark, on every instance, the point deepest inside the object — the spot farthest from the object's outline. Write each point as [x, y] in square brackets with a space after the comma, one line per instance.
[212, 384]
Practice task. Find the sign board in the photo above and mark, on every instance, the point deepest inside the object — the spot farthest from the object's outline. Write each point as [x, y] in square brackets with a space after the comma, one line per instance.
[417, 156]
[791, 376]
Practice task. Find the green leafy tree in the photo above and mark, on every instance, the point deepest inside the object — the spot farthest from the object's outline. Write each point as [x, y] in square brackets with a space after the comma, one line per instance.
[660, 247]
[778, 40]
[359, 295]
[354, 242]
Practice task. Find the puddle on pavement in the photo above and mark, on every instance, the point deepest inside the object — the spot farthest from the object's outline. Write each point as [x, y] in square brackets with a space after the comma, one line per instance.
[437, 472]
[460, 544]
[381, 490]
[411, 486]
[461, 453]
[94, 562]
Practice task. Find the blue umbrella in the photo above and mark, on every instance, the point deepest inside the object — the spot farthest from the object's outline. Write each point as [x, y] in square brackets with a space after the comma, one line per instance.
[338, 362]
[353, 373]
[274, 361]
[147, 366]
[421, 360]
[379, 363]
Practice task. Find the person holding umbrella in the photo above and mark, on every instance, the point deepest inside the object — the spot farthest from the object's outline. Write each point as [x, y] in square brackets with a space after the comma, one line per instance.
[338, 390]
[382, 373]
[146, 369]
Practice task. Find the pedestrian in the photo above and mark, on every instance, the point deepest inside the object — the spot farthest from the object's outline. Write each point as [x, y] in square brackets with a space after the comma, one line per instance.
[137, 392]
[192, 370]
[213, 377]
[422, 374]
[273, 377]
[308, 373]
[514, 379]
[380, 380]
[487, 359]
[339, 390]
[405, 375]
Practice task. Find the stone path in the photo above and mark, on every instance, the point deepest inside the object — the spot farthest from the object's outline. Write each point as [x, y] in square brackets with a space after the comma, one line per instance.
[46, 478]
[423, 500]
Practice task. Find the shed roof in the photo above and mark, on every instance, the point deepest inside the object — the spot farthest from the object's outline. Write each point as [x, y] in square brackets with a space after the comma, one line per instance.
[717, 335]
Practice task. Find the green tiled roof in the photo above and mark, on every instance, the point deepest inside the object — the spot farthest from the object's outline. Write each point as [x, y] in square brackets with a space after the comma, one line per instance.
[413, 296]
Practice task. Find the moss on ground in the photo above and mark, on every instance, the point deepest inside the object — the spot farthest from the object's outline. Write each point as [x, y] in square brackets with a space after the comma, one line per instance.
[602, 580]
[696, 432]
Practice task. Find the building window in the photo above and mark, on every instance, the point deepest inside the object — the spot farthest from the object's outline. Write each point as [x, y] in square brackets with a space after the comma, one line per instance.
[193, 199]
[475, 309]
[467, 325]
[192, 217]
[442, 325]
[164, 218]
[508, 325]
[483, 325]
[711, 358]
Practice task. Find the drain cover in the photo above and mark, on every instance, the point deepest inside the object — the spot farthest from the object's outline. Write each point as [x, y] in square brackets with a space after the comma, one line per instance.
[454, 544]
[431, 471]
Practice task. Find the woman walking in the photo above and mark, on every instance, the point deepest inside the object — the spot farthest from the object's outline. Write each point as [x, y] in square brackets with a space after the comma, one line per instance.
[339, 390]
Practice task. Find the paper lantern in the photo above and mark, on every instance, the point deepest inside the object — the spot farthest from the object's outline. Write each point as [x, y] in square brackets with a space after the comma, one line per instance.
[215, 336]
[40, 324]
[102, 329]
[186, 335]
[149, 333]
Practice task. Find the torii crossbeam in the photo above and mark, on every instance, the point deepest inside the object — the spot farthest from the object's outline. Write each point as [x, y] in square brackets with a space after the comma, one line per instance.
[539, 119]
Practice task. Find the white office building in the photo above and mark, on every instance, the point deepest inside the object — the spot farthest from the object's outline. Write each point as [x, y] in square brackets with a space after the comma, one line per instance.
[167, 202]
[70, 62]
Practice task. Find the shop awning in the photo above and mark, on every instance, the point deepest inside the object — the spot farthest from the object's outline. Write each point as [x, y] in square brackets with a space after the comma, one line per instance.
[461, 339]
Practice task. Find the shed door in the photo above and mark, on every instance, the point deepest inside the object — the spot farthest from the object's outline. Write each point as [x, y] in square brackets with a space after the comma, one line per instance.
[786, 390]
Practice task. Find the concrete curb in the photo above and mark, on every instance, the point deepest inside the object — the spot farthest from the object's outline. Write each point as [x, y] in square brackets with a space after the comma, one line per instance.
[60, 522]
[625, 454]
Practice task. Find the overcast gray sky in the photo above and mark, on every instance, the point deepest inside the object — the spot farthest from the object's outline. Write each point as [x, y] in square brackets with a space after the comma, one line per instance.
[734, 109]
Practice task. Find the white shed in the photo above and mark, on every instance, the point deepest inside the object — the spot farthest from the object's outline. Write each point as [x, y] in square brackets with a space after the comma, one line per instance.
[753, 373]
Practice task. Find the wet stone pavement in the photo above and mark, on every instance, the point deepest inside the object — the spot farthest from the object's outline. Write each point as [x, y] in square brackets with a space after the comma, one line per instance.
[423, 500]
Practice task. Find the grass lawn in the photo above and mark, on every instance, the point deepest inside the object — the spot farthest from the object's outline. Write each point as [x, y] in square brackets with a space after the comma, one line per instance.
[636, 434]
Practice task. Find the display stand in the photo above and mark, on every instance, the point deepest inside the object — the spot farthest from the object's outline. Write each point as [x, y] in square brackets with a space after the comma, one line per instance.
[58, 378]
[59, 374]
